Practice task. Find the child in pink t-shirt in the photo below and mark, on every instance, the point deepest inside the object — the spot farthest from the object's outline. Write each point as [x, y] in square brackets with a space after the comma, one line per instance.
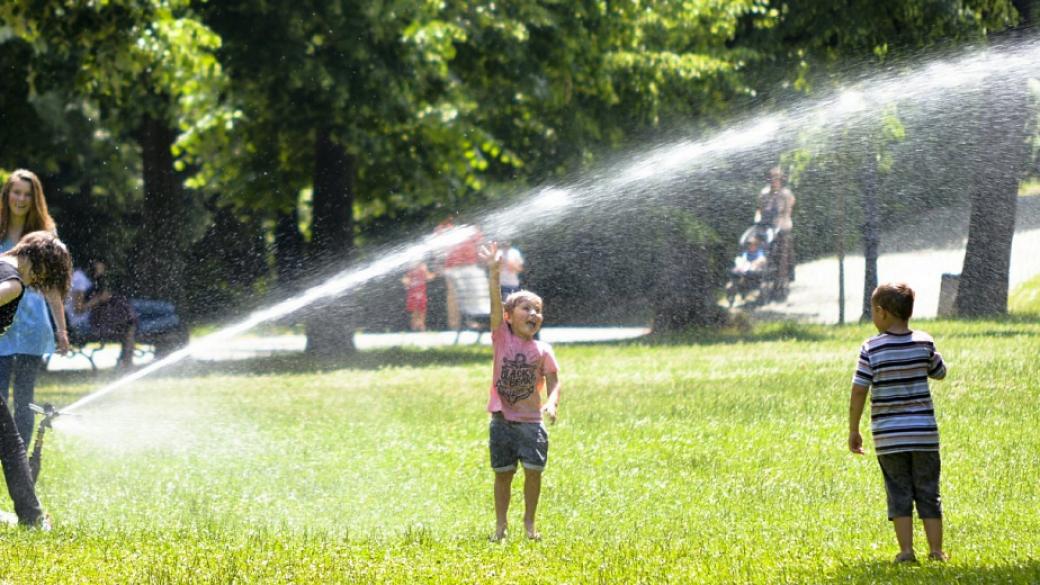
[525, 368]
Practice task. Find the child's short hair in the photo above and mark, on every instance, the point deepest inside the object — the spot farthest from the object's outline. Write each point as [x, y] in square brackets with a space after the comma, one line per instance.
[519, 296]
[51, 263]
[896, 298]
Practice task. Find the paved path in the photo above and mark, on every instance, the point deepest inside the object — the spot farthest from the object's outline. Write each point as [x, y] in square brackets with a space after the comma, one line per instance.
[919, 257]
[253, 346]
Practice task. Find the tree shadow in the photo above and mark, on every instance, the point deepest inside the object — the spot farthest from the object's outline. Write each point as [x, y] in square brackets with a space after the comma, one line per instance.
[740, 332]
[1003, 321]
[886, 571]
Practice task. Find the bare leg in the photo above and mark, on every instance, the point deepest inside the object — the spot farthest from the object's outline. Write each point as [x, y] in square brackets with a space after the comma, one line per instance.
[933, 530]
[532, 490]
[420, 316]
[503, 486]
[905, 536]
[454, 317]
[126, 356]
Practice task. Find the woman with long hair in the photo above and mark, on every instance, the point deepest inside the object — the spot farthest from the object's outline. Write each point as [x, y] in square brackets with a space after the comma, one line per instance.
[39, 260]
[23, 209]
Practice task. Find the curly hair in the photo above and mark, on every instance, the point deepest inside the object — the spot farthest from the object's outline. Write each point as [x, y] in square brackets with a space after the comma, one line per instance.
[51, 263]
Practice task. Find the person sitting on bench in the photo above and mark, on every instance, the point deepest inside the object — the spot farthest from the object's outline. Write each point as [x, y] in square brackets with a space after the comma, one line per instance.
[96, 313]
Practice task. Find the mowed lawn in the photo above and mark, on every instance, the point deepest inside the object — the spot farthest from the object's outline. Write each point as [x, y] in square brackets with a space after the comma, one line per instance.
[714, 458]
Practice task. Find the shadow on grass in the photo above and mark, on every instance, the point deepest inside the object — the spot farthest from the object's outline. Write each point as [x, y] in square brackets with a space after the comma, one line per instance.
[1012, 325]
[879, 571]
[740, 333]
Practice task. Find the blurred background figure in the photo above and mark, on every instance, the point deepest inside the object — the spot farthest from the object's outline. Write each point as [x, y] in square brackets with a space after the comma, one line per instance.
[775, 206]
[512, 266]
[415, 296]
[98, 313]
[464, 280]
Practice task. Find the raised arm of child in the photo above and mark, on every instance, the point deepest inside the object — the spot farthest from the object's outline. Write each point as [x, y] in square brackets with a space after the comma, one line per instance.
[489, 254]
[856, 402]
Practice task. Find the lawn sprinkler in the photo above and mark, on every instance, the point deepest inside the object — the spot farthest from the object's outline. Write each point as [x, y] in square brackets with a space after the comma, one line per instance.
[49, 414]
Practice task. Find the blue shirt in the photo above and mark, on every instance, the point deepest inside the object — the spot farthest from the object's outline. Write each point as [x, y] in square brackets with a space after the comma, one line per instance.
[31, 333]
[752, 256]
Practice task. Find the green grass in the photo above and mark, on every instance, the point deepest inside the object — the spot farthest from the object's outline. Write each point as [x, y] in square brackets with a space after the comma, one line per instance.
[1029, 188]
[717, 459]
[1025, 298]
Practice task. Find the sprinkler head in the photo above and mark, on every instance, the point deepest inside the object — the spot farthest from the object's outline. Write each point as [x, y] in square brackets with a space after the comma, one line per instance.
[47, 410]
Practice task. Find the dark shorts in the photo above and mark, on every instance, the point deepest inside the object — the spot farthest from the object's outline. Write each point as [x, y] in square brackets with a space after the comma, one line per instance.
[912, 477]
[510, 442]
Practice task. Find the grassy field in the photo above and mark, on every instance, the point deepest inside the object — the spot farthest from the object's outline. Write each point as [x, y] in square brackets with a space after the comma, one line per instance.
[1025, 299]
[712, 459]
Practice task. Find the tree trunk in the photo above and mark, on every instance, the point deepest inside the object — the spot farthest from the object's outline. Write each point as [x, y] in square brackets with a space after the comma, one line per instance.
[330, 330]
[686, 278]
[871, 234]
[1002, 160]
[335, 177]
[158, 265]
[288, 248]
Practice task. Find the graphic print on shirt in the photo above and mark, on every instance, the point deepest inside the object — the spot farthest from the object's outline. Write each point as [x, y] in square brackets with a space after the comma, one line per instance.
[517, 380]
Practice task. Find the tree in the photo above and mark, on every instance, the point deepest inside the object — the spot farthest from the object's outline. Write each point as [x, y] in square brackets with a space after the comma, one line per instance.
[1007, 124]
[145, 68]
[327, 102]
[1003, 144]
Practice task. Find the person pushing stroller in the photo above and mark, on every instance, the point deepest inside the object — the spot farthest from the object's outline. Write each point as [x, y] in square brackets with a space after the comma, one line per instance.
[774, 209]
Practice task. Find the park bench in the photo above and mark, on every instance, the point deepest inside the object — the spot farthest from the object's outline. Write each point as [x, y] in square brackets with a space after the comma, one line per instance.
[156, 343]
[478, 322]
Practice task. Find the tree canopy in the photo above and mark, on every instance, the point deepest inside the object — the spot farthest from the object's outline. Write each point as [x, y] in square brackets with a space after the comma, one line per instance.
[324, 127]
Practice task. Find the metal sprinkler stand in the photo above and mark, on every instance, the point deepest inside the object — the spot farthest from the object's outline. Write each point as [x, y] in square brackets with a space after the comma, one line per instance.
[49, 413]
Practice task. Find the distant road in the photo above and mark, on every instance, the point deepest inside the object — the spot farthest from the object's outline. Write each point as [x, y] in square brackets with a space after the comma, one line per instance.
[918, 256]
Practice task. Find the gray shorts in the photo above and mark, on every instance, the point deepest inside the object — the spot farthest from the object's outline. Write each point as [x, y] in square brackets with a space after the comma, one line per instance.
[510, 442]
[912, 477]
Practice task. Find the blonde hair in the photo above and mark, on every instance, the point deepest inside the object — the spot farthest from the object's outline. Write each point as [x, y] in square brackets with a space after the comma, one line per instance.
[38, 218]
[518, 297]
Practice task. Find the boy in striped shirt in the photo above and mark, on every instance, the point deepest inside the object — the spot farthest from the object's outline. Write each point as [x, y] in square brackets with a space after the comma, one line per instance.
[895, 366]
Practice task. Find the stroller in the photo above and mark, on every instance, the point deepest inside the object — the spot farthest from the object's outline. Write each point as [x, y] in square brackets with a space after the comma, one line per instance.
[752, 272]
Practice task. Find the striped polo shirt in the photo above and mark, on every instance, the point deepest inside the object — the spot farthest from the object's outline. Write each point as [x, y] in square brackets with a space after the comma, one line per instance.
[896, 368]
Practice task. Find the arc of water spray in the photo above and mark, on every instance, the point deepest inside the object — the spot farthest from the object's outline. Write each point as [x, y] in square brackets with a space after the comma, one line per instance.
[551, 204]
[338, 284]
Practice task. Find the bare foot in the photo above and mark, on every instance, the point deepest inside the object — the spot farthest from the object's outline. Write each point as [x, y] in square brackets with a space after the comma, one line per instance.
[532, 533]
[907, 557]
[499, 535]
[938, 556]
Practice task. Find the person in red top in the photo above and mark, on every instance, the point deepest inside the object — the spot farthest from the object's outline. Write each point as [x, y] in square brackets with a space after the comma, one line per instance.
[415, 298]
[465, 282]
[525, 370]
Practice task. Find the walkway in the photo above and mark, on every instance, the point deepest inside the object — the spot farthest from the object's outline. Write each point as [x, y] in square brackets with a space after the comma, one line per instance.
[919, 257]
[249, 346]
